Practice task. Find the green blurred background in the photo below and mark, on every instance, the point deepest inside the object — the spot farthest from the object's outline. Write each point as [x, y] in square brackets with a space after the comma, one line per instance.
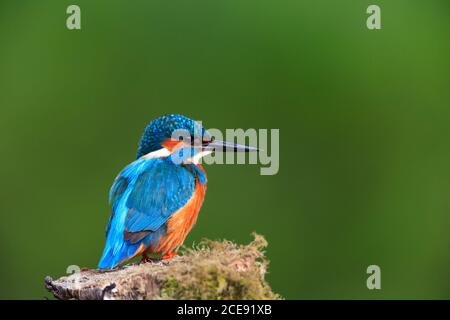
[364, 119]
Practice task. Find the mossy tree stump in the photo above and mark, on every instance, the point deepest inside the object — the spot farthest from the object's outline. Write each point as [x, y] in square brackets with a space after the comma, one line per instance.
[211, 270]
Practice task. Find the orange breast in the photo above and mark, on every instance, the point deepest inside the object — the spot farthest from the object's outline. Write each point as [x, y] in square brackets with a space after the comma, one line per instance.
[181, 222]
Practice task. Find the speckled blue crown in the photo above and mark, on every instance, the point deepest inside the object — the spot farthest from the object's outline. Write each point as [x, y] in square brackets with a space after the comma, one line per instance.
[163, 127]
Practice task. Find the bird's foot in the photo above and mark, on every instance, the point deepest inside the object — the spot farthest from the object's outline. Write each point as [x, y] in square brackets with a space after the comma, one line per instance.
[169, 255]
[145, 259]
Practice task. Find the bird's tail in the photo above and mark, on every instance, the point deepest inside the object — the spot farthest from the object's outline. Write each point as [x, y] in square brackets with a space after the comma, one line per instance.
[113, 256]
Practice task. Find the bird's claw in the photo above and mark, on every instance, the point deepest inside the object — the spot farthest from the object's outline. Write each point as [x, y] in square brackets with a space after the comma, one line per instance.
[169, 255]
[145, 259]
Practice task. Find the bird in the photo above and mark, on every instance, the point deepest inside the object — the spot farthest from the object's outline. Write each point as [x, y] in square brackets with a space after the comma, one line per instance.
[155, 200]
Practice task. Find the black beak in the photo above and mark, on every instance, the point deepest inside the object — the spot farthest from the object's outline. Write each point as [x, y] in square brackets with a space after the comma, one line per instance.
[217, 145]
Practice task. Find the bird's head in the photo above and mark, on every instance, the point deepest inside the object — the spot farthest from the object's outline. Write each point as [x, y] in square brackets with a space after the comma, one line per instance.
[173, 132]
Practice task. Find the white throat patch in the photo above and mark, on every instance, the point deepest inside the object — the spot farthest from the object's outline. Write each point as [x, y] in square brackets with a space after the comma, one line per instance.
[196, 158]
[161, 153]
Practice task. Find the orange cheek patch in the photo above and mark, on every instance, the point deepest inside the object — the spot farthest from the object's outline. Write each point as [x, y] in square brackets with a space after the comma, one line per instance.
[172, 144]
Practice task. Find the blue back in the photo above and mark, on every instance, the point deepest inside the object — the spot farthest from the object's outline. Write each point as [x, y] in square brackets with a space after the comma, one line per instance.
[143, 197]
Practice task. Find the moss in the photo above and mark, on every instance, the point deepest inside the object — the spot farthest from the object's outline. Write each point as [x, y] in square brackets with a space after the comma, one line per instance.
[168, 288]
[211, 270]
[219, 270]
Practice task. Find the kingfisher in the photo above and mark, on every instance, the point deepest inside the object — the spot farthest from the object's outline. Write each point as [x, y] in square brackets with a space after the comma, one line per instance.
[156, 199]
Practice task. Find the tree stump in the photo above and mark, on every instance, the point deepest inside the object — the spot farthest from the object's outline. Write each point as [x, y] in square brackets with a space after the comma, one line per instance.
[210, 270]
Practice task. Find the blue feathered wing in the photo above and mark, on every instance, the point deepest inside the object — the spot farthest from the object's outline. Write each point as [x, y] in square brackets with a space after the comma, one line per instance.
[143, 197]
